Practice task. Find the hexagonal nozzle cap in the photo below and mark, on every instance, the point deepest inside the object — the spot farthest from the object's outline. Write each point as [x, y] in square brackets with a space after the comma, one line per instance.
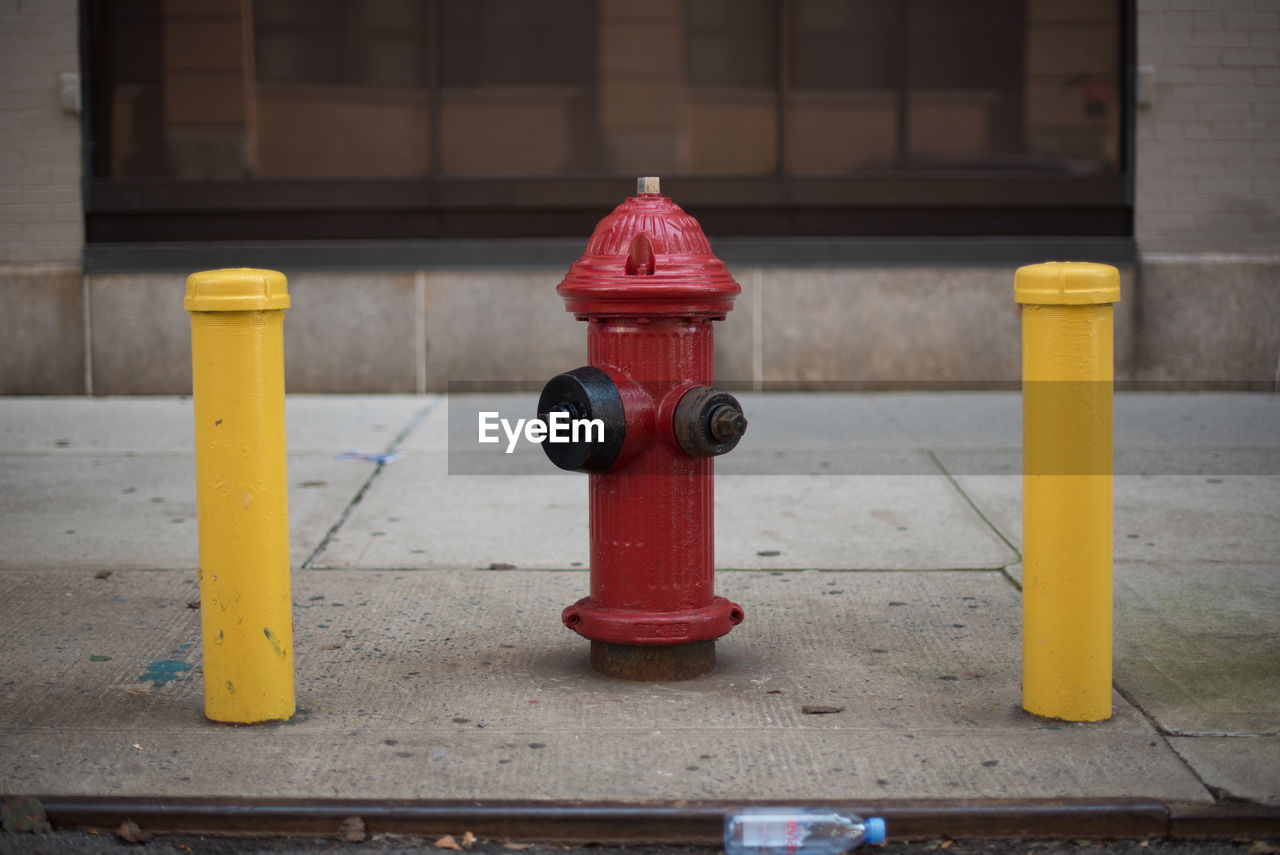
[708, 422]
[236, 289]
[1067, 283]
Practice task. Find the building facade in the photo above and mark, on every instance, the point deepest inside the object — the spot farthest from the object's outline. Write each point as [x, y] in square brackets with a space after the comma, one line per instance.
[424, 173]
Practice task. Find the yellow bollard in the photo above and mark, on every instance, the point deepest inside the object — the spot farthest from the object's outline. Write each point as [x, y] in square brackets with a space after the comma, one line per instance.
[1067, 365]
[237, 356]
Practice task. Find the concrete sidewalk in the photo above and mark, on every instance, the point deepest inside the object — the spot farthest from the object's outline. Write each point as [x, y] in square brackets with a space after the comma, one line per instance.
[872, 540]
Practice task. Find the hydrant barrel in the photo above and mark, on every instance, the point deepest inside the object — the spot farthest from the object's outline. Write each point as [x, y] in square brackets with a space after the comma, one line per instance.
[1067, 365]
[242, 505]
[650, 288]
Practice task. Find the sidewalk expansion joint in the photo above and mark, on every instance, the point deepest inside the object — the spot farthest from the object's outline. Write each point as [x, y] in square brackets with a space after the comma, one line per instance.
[391, 448]
[973, 505]
[1217, 794]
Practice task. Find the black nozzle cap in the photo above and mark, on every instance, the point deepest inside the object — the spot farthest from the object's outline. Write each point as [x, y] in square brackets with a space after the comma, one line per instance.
[584, 393]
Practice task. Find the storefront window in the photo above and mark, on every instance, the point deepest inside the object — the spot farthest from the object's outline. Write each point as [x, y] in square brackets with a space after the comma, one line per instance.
[780, 108]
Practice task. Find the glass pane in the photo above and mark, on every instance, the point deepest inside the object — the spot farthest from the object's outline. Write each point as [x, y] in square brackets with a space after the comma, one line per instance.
[342, 88]
[1072, 85]
[351, 88]
[844, 70]
[517, 85]
[730, 111]
[965, 83]
[299, 88]
[983, 84]
[128, 95]
[590, 86]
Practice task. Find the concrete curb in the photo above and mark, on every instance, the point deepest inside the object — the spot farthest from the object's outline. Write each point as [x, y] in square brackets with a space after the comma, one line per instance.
[683, 822]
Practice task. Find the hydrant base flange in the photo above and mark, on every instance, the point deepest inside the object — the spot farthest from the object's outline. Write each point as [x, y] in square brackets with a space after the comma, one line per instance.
[644, 628]
[652, 663]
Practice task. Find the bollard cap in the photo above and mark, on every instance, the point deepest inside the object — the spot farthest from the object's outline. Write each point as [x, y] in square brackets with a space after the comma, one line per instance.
[1067, 283]
[236, 289]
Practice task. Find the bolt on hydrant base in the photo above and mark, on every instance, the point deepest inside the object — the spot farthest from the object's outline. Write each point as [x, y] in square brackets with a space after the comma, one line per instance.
[649, 287]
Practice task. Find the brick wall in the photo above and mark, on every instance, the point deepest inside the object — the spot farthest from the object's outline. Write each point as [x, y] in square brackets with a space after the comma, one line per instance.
[40, 204]
[1208, 141]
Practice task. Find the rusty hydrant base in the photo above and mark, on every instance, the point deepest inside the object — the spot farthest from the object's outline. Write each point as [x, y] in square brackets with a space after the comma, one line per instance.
[653, 663]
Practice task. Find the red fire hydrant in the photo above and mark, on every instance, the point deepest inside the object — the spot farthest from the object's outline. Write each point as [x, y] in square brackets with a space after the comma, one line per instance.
[649, 287]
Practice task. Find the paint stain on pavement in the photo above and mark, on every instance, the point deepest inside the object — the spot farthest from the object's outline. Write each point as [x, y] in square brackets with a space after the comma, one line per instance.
[163, 671]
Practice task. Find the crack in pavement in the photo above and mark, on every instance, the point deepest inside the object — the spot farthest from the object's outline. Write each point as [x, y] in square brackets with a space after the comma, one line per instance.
[392, 447]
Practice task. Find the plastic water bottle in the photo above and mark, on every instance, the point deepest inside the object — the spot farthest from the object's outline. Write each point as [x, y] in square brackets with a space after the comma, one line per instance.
[797, 831]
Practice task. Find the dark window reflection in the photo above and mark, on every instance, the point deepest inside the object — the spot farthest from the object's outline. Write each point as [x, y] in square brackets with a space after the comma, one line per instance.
[404, 88]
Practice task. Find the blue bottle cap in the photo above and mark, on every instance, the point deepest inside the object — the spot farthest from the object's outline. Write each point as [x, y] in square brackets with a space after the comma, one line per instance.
[875, 830]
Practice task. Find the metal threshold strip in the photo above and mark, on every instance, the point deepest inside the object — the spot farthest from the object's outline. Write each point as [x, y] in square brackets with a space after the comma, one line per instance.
[659, 822]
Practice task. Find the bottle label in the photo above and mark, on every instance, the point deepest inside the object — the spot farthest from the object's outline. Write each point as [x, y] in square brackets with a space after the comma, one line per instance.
[780, 834]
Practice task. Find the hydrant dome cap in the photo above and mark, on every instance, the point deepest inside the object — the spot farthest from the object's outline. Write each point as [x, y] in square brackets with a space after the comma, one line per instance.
[236, 289]
[649, 258]
[1067, 283]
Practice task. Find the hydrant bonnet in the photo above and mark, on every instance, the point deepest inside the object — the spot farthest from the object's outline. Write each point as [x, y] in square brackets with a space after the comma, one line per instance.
[648, 258]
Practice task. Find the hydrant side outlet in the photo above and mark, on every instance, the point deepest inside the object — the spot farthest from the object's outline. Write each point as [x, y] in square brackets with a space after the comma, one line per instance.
[708, 422]
[650, 287]
[584, 393]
